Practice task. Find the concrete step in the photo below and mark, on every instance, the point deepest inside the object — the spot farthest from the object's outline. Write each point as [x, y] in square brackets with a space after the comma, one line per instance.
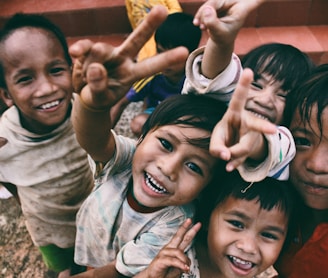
[303, 23]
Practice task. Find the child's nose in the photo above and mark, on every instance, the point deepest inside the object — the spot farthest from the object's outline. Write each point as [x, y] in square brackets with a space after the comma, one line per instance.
[317, 161]
[45, 86]
[170, 165]
[266, 97]
[247, 244]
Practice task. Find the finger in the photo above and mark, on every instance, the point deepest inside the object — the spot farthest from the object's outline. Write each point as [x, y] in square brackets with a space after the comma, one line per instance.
[218, 147]
[160, 62]
[259, 125]
[239, 96]
[238, 157]
[136, 40]
[78, 77]
[97, 78]
[102, 53]
[189, 236]
[178, 237]
[80, 48]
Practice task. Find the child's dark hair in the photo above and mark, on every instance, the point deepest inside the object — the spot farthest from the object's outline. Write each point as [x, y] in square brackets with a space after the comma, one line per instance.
[178, 30]
[282, 62]
[269, 193]
[312, 92]
[19, 21]
[192, 110]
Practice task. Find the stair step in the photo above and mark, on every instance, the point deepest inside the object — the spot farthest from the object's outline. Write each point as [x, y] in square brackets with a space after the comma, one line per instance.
[306, 27]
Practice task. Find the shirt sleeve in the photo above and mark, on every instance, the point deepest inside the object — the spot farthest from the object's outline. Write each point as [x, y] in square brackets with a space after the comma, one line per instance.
[222, 85]
[281, 150]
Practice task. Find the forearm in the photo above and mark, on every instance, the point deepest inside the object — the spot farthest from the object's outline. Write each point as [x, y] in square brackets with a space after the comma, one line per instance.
[216, 58]
[92, 130]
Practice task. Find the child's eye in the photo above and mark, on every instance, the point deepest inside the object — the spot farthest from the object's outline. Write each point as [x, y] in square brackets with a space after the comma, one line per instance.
[57, 70]
[282, 95]
[194, 167]
[166, 144]
[301, 141]
[269, 235]
[255, 85]
[24, 79]
[236, 224]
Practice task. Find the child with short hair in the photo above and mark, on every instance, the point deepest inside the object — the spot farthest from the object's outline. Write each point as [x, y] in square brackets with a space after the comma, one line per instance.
[41, 157]
[308, 116]
[243, 231]
[177, 30]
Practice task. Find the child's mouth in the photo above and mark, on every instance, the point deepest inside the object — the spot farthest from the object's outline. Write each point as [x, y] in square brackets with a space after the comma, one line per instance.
[49, 105]
[244, 265]
[153, 185]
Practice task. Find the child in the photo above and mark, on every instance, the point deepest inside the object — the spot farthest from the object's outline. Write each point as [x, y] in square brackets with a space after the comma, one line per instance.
[309, 175]
[243, 231]
[278, 68]
[144, 192]
[137, 11]
[42, 157]
[176, 30]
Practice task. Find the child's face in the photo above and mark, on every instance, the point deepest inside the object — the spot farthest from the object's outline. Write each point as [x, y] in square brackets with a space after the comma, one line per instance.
[243, 239]
[267, 99]
[167, 170]
[309, 168]
[175, 72]
[38, 78]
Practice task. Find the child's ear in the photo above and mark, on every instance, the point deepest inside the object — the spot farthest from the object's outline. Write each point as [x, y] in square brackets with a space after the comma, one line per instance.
[6, 98]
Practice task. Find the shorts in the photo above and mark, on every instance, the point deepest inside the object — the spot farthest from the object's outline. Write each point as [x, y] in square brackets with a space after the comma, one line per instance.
[59, 259]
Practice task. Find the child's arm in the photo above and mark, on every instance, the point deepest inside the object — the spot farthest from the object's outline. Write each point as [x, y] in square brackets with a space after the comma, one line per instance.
[222, 20]
[171, 261]
[103, 74]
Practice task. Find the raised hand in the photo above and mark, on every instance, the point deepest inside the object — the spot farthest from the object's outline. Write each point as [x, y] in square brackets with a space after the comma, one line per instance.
[239, 135]
[171, 260]
[103, 74]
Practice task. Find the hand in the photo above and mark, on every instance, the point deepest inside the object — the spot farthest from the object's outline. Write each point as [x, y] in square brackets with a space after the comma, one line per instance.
[102, 74]
[239, 135]
[224, 18]
[171, 260]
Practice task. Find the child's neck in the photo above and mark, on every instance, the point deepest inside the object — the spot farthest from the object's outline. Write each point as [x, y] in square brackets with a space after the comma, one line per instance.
[205, 267]
[311, 221]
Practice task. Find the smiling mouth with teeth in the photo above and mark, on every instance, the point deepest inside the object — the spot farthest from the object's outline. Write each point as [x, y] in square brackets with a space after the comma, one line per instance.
[153, 185]
[49, 105]
[260, 116]
[244, 265]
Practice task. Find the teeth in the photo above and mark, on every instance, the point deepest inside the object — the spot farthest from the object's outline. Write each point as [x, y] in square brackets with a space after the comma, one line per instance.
[241, 263]
[153, 185]
[50, 104]
[260, 116]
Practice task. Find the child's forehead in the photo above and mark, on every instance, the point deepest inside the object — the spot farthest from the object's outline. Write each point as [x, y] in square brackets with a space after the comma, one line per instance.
[28, 34]
[312, 121]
